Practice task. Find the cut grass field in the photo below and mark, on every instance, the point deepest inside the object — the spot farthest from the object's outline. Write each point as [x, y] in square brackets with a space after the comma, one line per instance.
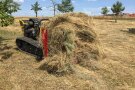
[19, 71]
[112, 18]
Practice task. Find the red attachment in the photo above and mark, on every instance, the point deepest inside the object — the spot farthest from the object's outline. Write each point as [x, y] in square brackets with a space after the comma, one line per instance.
[45, 41]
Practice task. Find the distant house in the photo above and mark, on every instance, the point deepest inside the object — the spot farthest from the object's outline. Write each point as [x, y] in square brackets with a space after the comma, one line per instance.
[129, 15]
[123, 14]
[126, 14]
[132, 15]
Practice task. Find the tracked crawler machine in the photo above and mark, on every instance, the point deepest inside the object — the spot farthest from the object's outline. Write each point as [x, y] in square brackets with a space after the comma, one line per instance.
[29, 43]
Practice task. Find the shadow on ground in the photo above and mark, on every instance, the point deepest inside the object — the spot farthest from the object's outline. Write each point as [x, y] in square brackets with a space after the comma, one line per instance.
[1, 39]
[4, 55]
[4, 46]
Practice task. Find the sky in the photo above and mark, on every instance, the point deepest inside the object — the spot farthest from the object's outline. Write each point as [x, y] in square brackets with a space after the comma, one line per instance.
[90, 7]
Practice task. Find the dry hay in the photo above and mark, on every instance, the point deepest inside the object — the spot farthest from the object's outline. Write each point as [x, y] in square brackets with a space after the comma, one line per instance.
[71, 40]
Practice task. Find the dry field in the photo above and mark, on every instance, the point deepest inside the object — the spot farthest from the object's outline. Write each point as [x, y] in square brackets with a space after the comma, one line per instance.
[19, 71]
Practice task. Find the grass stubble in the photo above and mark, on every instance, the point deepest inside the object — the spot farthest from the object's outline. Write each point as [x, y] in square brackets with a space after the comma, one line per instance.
[115, 71]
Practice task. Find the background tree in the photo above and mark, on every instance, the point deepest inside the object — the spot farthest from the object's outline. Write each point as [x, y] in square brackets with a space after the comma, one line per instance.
[14, 7]
[54, 6]
[36, 8]
[104, 11]
[117, 9]
[65, 6]
[7, 7]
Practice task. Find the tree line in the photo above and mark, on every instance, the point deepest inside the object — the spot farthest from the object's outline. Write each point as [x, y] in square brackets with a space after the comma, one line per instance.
[117, 9]
[65, 6]
[7, 7]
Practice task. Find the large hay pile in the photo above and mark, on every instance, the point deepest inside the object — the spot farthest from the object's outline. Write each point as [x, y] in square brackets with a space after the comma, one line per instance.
[71, 40]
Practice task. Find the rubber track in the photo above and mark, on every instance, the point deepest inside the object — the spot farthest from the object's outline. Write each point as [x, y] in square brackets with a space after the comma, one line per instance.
[30, 46]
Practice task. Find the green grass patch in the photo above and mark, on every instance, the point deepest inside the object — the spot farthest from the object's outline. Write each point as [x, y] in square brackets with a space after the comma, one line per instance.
[9, 34]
